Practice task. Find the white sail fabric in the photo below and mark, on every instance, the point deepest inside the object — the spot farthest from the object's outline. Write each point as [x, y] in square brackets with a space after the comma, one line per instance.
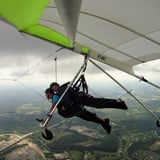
[120, 33]
[125, 30]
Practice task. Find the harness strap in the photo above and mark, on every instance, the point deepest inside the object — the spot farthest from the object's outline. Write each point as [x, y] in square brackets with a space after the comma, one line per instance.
[81, 83]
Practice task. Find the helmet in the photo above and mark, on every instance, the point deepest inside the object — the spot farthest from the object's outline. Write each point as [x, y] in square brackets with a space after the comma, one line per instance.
[48, 90]
[53, 84]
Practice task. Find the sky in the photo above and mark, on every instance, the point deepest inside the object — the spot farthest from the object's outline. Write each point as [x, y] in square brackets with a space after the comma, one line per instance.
[32, 61]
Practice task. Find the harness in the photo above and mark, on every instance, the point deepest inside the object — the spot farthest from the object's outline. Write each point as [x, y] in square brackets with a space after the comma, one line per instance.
[81, 85]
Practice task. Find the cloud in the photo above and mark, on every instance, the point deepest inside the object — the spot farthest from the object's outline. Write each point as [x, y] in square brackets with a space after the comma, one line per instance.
[26, 56]
[152, 67]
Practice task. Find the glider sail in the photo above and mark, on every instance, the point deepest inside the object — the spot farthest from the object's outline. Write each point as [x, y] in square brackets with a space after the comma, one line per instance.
[107, 30]
[69, 15]
[25, 16]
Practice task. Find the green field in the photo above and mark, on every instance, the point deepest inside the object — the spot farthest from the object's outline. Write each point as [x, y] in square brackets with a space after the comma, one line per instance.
[134, 134]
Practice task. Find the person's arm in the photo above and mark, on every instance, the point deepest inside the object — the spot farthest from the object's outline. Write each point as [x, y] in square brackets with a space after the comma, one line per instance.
[52, 106]
[54, 101]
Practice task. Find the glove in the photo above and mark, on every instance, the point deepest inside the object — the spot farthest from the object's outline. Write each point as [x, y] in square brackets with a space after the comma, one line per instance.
[49, 115]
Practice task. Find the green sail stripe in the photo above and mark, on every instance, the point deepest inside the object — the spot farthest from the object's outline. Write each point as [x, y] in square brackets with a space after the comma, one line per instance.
[48, 34]
[22, 14]
[25, 15]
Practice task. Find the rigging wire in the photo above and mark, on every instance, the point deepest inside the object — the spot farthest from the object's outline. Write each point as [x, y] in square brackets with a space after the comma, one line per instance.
[25, 86]
[30, 89]
[55, 59]
[7, 79]
[34, 66]
[142, 104]
[26, 72]
[147, 81]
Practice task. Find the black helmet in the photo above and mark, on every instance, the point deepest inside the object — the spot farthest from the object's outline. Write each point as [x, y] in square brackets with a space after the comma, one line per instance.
[48, 90]
[53, 84]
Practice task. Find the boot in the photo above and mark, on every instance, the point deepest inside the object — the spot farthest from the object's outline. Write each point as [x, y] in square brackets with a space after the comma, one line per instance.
[105, 124]
[121, 104]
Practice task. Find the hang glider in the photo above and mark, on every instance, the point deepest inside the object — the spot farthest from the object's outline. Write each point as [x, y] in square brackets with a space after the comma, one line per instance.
[119, 33]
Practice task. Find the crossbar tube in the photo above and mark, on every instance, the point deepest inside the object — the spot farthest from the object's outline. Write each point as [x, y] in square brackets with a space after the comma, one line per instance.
[141, 103]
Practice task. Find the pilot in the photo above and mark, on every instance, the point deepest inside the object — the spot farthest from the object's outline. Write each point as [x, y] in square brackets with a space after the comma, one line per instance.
[73, 102]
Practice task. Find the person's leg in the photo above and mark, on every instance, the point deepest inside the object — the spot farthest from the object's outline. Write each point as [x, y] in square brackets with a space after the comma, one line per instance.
[88, 116]
[101, 102]
[82, 113]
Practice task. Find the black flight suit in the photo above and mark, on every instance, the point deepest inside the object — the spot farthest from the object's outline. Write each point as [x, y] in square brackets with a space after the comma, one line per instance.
[74, 103]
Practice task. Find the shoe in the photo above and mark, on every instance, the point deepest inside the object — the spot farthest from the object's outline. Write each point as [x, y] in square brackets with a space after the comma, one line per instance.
[119, 100]
[122, 104]
[106, 126]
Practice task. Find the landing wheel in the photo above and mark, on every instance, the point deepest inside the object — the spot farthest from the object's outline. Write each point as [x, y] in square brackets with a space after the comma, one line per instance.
[158, 123]
[47, 134]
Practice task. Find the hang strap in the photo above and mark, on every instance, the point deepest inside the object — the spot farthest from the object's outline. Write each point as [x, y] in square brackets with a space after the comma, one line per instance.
[81, 84]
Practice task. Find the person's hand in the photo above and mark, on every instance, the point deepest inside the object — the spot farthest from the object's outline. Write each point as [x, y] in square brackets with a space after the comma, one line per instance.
[63, 108]
[49, 115]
